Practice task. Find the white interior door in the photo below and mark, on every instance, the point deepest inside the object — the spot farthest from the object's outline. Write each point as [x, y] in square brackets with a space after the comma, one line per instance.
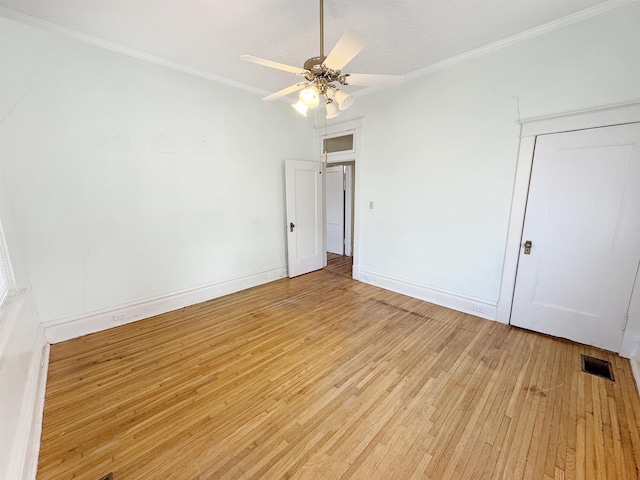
[583, 222]
[304, 202]
[349, 181]
[334, 182]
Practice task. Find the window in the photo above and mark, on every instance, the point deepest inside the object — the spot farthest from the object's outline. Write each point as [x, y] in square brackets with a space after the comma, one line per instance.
[338, 144]
[6, 274]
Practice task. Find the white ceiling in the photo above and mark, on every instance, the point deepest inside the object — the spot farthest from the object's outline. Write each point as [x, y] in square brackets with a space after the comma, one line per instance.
[210, 35]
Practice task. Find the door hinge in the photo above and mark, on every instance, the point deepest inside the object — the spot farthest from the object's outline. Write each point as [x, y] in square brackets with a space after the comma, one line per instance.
[626, 321]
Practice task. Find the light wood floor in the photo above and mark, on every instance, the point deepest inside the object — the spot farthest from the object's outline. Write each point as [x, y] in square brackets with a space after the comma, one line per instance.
[322, 377]
[340, 264]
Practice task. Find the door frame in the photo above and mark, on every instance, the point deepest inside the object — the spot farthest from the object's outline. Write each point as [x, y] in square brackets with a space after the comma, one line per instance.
[344, 205]
[529, 130]
[353, 127]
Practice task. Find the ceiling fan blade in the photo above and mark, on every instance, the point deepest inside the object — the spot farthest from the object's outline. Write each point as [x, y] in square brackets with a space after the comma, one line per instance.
[269, 63]
[372, 80]
[349, 45]
[285, 91]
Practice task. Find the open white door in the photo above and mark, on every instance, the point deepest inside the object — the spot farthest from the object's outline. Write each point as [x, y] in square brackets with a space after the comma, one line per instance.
[581, 238]
[334, 190]
[304, 199]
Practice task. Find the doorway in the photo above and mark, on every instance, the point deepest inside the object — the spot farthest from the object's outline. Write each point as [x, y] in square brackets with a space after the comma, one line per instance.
[339, 217]
[339, 208]
[339, 147]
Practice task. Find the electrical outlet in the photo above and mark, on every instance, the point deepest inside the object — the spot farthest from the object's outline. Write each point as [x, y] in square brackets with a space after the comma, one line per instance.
[270, 275]
[118, 317]
[478, 308]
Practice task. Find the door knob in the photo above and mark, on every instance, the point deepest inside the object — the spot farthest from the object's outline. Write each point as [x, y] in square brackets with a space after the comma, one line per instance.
[527, 247]
[291, 226]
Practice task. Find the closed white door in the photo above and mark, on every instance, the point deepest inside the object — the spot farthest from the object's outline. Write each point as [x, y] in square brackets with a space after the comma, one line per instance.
[583, 226]
[335, 209]
[304, 202]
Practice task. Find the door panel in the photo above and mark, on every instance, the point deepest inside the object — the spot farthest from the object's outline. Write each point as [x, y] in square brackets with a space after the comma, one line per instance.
[335, 209]
[304, 202]
[582, 219]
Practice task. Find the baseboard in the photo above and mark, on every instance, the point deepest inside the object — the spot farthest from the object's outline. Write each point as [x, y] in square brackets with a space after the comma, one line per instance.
[355, 271]
[504, 312]
[630, 345]
[635, 368]
[66, 328]
[455, 301]
[26, 446]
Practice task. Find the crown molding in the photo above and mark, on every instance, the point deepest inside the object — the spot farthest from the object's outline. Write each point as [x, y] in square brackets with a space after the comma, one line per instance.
[579, 120]
[115, 47]
[519, 37]
[477, 52]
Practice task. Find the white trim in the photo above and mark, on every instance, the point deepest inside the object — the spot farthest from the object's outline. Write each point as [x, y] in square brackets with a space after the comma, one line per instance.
[6, 269]
[630, 345]
[26, 446]
[10, 312]
[336, 129]
[477, 52]
[115, 47]
[600, 117]
[444, 298]
[66, 328]
[349, 172]
[594, 118]
[635, 369]
[517, 38]
[516, 223]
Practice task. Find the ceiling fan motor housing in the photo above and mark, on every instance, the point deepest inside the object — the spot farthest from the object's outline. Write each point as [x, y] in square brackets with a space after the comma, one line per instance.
[320, 74]
[314, 63]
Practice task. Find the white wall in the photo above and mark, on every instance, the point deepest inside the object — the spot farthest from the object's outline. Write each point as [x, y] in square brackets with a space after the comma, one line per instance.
[439, 153]
[123, 180]
[126, 180]
[129, 180]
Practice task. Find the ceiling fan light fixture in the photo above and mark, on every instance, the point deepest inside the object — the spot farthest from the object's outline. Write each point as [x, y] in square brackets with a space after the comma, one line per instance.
[301, 108]
[322, 71]
[332, 109]
[343, 99]
[310, 97]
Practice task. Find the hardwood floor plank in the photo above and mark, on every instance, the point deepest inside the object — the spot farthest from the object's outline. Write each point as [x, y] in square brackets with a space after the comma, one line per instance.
[324, 377]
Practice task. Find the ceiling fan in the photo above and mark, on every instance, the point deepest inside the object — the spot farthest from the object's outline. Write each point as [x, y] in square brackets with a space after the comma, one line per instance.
[321, 72]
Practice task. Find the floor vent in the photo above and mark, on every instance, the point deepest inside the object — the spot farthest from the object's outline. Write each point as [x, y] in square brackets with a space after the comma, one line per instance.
[108, 476]
[596, 366]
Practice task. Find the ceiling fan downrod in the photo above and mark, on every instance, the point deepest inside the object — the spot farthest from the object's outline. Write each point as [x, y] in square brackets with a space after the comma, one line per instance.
[322, 28]
[322, 71]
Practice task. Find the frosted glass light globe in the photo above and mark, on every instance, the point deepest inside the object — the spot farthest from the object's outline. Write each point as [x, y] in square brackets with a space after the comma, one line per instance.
[309, 96]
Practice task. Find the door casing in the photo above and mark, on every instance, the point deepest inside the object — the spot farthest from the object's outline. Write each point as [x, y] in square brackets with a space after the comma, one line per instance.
[575, 281]
[530, 129]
